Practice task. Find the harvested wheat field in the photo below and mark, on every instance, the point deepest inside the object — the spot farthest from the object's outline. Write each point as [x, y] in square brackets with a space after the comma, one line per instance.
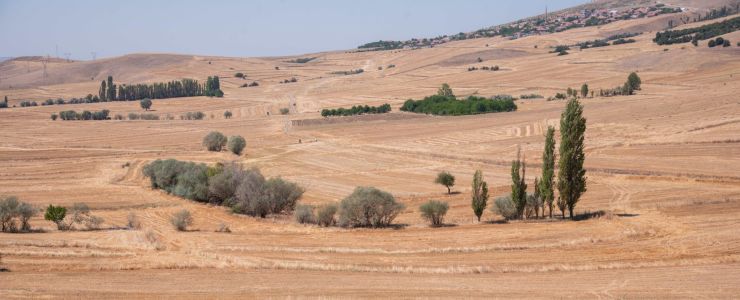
[660, 217]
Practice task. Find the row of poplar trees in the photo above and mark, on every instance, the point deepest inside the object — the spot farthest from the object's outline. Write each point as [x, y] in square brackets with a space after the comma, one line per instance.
[571, 176]
[182, 88]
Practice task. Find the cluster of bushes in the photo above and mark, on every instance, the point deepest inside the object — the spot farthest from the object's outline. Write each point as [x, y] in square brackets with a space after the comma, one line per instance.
[28, 103]
[531, 96]
[69, 115]
[484, 68]
[78, 214]
[244, 191]
[561, 50]
[449, 105]
[695, 34]
[216, 141]
[382, 45]
[719, 42]
[356, 110]
[254, 83]
[629, 87]
[10, 210]
[390, 66]
[289, 80]
[323, 215]
[143, 116]
[350, 72]
[617, 39]
[302, 60]
[197, 115]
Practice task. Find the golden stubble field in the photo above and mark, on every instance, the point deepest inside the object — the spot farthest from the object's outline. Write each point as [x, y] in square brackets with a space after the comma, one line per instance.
[664, 162]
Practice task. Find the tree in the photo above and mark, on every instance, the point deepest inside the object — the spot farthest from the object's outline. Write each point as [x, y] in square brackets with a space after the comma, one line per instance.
[548, 169]
[634, 81]
[518, 186]
[368, 207]
[56, 214]
[479, 194]
[214, 141]
[146, 103]
[584, 90]
[325, 215]
[572, 175]
[102, 93]
[239, 75]
[111, 89]
[236, 144]
[303, 214]
[227, 114]
[54, 117]
[445, 90]
[434, 211]
[446, 179]
[182, 219]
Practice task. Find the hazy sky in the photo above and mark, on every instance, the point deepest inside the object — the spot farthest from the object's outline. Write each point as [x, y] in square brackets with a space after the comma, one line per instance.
[240, 28]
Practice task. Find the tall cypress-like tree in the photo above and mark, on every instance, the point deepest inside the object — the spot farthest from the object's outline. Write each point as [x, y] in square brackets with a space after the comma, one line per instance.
[572, 175]
[548, 170]
[518, 185]
[479, 194]
[111, 89]
[101, 93]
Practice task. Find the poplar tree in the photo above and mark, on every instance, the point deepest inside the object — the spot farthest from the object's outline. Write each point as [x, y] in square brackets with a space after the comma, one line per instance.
[479, 194]
[102, 94]
[518, 186]
[572, 175]
[548, 170]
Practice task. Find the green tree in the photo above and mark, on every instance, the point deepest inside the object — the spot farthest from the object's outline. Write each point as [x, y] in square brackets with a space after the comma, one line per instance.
[479, 194]
[548, 169]
[214, 141]
[445, 90]
[111, 89]
[146, 103]
[102, 92]
[518, 186]
[236, 144]
[584, 90]
[634, 81]
[572, 175]
[227, 114]
[447, 179]
[56, 214]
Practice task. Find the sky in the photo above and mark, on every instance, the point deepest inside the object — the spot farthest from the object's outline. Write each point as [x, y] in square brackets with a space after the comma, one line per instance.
[240, 28]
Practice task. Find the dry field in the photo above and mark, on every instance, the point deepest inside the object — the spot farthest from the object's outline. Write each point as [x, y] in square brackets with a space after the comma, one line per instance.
[665, 163]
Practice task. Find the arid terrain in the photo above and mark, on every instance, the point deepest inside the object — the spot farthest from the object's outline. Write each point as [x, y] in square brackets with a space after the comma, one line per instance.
[665, 164]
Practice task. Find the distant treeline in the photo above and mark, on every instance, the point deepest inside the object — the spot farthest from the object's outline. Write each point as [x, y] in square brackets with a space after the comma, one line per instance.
[350, 72]
[173, 89]
[449, 105]
[696, 34]
[382, 45]
[356, 110]
[69, 115]
[618, 39]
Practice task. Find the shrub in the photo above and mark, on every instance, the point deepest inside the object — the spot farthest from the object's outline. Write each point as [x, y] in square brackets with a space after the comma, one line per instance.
[282, 195]
[445, 91]
[181, 220]
[214, 141]
[227, 114]
[54, 117]
[504, 207]
[303, 214]
[192, 183]
[712, 43]
[356, 110]
[198, 115]
[446, 179]
[222, 186]
[634, 81]
[434, 211]
[11, 208]
[133, 116]
[56, 214]
[132, 221]
[146, 103]
[223, 228]
[284, 111]
[239, 75]
[531, 96]
[368, 207]
[236, 144]
[250, 195]
[325, 215]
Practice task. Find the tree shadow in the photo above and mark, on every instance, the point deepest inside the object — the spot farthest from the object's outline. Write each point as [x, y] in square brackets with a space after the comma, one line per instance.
[502, 221]
[443, 225]
[397, 226]
[626, 215]
[4, 270]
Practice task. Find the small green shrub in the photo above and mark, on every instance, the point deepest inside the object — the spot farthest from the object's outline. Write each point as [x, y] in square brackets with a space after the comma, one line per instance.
[434, 211]
[303, 214]
[56, 214]
[504, 207]
[325, 215]
[236, 144]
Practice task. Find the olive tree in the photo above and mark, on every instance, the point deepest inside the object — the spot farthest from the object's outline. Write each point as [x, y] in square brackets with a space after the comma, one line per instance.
[236, 144]
[368, 207]
[214, 141]
[434, 211]
[146, 103]
[446, 179]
